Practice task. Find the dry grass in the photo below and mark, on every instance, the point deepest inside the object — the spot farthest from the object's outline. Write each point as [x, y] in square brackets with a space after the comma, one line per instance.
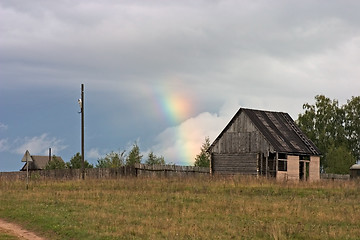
[185, 208]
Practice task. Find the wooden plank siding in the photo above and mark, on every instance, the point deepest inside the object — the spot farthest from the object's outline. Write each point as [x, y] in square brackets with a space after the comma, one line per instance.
[245, 163]
[139, 170]
[237, 151]
[242, 137]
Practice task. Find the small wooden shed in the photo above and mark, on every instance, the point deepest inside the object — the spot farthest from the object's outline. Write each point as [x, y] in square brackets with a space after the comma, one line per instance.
[264, 143]
[36, 162]
[355, 171]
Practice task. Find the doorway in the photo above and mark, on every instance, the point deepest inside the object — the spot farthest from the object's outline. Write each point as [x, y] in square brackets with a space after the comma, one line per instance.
[301, 171]
[304, 170]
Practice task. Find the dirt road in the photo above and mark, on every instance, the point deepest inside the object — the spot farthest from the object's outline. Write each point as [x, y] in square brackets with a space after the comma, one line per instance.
[18, 231]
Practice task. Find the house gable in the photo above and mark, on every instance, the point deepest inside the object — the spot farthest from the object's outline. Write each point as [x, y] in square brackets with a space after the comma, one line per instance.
[240, 136]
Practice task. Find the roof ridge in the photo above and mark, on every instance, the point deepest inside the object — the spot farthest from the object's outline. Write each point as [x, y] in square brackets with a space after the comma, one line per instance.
[43, 155]
[260, 110]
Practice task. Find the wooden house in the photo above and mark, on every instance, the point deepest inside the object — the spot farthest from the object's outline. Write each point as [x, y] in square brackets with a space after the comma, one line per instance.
[355, 171]
[36, 162]
[264, 143]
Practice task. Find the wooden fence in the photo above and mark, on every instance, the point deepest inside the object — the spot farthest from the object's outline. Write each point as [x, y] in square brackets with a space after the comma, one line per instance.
[170, 170]
[335, 176]
[139, 170]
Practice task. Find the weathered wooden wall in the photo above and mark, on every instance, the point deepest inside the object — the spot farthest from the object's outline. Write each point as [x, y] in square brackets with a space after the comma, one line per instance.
[169, 170]
[332, 176]
[354, 173]
[242, 137]
[242, 163]
[238, 148]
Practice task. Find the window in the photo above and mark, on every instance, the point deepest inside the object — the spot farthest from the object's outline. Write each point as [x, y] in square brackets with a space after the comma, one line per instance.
[282, 165]
[282, 162]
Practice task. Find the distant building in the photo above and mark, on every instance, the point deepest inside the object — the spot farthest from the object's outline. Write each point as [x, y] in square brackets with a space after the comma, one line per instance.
[35, 162]
[265, 143]
[355, 171]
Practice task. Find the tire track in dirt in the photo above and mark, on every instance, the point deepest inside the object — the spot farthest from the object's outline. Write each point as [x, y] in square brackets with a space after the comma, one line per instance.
[18, 231]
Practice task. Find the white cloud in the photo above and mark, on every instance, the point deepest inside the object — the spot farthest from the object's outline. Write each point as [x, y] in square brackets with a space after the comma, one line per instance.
[4, 145]
[3, 127]
[93, 153]
[180, 144]
[39, 145]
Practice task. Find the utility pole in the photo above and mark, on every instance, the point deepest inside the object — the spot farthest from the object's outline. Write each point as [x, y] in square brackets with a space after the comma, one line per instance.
[27, 174]
[81, 103]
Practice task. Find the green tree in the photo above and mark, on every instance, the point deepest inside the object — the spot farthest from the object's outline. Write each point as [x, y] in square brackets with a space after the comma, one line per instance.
[111, 160]
[352, 125]
[323, 122]
[339, 160]
[332, 128]
[75, 162]
[134, 156]
[203, 158]
[55, 163]
[155, 160]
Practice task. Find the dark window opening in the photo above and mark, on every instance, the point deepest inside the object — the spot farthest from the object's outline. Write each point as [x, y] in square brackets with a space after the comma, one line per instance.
[307, 165]
[304, 157]
[282, 165]
[282, 156]
[302, 171]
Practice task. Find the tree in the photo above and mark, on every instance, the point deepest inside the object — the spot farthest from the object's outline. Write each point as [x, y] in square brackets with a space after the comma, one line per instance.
[352, 125]
[134, 156]
[203, 158]
[339, 160]
[75, 162]
[155, 160]
[55, 163]
[334, 129]
[111, 160]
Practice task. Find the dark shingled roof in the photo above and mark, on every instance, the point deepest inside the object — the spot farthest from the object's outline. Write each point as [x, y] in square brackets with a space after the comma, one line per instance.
[280, 131]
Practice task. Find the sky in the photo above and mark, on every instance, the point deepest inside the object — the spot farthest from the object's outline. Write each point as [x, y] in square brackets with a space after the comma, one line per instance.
[163, 74]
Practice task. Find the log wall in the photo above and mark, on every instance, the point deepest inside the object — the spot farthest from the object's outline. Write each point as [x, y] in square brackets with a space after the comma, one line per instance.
[245, 163]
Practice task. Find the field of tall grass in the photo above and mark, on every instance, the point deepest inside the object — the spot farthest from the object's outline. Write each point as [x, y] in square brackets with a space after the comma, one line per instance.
[184, 208]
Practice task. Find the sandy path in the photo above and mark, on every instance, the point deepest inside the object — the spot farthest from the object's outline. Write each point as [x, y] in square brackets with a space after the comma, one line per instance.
[18, 231]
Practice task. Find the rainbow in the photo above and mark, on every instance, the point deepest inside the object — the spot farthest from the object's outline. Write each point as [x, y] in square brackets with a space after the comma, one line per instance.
[175, 107]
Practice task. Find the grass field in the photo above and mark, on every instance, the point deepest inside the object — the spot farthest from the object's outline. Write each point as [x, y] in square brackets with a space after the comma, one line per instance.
[184, 208]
